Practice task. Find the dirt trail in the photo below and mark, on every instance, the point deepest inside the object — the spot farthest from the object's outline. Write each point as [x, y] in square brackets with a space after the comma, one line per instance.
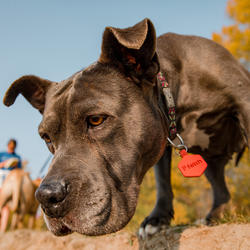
[43, 240]
[223, 237]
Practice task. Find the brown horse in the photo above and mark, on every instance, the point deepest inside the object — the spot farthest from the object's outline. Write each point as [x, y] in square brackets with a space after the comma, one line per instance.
[18, 193]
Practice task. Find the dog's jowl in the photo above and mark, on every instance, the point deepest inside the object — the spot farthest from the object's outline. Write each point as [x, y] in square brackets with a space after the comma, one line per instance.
[107, 125]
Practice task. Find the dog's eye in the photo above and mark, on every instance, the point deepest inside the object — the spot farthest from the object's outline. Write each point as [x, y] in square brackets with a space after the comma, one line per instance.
[46, 138]
[94, 121]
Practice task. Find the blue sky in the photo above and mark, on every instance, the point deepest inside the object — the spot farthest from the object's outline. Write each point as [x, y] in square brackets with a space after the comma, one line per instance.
[55, 38]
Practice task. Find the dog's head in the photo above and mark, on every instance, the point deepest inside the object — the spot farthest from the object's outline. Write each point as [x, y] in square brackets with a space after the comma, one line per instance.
[105, 129]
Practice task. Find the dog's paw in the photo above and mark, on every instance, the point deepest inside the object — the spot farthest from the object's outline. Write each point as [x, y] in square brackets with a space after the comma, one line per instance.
[200, 222]
[152, 225]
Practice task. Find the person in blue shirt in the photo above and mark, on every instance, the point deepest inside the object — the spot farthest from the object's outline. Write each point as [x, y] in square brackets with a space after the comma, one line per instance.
[4, 171]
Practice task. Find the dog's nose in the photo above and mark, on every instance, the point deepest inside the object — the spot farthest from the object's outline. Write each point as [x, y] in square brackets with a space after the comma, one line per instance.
[50, 195]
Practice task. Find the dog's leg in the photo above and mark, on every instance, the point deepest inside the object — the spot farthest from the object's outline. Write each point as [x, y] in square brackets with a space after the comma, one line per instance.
[14, 221]
[215, 174]
[163, 212]
[31, 221]
[20, 224]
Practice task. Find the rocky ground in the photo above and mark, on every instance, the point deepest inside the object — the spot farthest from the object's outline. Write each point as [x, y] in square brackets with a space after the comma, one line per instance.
[223, 237]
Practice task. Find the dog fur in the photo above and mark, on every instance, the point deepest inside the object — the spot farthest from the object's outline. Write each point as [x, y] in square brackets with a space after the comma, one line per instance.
[92, 185]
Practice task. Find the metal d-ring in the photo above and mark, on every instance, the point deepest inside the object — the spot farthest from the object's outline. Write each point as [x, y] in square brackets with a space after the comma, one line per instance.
[180, 146]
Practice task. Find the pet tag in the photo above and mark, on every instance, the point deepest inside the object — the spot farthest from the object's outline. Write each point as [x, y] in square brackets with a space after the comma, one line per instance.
[191, 165]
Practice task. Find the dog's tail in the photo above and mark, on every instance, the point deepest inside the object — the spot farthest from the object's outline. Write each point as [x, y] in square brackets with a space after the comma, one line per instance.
[245, 128]
[239, 155]
[243, 105]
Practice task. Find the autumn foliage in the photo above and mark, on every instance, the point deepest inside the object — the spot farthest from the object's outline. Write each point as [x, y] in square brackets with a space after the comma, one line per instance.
[236, 37]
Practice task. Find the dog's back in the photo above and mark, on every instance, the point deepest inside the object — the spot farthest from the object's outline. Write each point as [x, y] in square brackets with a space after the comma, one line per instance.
[210, 89]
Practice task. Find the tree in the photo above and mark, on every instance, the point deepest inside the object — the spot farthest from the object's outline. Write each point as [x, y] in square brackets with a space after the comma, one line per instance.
[236, 37]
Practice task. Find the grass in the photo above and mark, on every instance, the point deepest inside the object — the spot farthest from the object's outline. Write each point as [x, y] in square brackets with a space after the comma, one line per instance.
[233, 218]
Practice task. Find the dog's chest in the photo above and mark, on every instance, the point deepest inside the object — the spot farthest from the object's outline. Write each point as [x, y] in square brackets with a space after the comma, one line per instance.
[193, 136]
[210, 134]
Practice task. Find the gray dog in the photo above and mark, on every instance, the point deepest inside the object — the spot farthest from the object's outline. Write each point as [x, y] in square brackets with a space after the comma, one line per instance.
[107, 125]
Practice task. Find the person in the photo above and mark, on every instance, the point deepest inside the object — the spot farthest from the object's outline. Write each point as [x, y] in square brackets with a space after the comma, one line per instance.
[8, 161]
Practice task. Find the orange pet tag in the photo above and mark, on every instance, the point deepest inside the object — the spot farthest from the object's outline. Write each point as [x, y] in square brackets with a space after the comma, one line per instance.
[191, 165]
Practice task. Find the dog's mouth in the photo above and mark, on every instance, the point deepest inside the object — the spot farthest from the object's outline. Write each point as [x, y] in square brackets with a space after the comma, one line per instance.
[70, 224]
[65, 230]
[93, 219]
[91, 222]
[57, 227]
[104, 215]
[62, 227]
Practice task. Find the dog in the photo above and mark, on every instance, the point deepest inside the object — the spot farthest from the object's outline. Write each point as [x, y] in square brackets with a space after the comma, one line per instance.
[107, 125]
[18, 193]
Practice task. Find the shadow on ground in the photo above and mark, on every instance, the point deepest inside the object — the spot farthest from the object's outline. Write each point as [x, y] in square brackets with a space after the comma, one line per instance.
[223, 237]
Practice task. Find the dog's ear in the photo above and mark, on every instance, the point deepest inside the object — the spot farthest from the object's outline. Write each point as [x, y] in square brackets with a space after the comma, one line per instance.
[33, 88]
[132, 49]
